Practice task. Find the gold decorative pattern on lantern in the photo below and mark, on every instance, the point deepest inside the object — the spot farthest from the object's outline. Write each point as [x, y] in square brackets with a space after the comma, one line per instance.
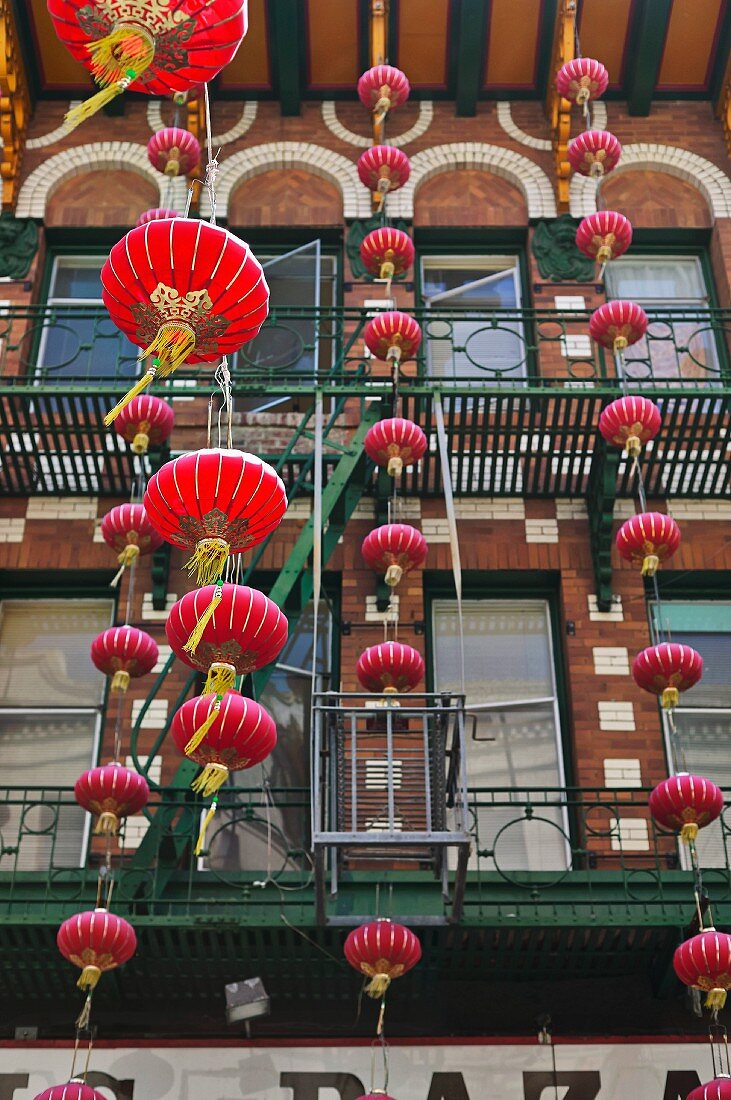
[168, 305]
[216, 525]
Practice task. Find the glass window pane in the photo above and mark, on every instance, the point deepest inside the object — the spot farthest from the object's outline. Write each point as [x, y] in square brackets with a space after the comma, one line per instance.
[660, 280]
[77, 277]
[44, 651]
[705, 741]
[443, 273]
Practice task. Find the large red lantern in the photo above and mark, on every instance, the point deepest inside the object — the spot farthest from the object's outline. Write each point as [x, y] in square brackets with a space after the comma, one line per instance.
[604, 236]
[386, 252]
[630, 422]
[127, 529]
[392, 335]
[704, 962]
[666, 670]
[145, 420]
[222, 733]
[382, 951]
[394, 549]
[245, 631]
[383, 168]
[395, 443]
[72, 1090]
[110, 793]
[687, 803]
[618, 324]
[184, 291]
[390, 667]
[152, 46]
[123, 652]
[717, 1089]
[594, 153]
[382, 89]
[648, 538]
[95, 941]
[156, 214]
[215, 502]
[173, 151]
[582, 79]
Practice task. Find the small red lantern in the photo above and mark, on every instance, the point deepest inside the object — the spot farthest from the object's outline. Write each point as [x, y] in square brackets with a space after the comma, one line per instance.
[222, 733]
[395, 443]
[395, 548]
[383, 168]
[72, 1090]
[173, 151]
[215, 502]
[687, 803]
[96, 941]
[582, 79]
[618, 324]
[704, 962]
[184, 291]
[392, 335]
[111, 792]
[630, 422]
[157, 48]
[382, 89]
[123, 652]
[648, 538]
[604, 236]
[717, 1089]
[156, 214]
[387, 252]
[390, 667]
[128, 530]
[666, 670]
[382, 951]
[594, 153]
[145, 420]
[245, 631]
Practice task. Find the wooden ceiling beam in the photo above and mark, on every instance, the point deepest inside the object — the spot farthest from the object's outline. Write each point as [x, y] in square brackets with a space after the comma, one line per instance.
[286, 44]
[471, 22]
[645, 48]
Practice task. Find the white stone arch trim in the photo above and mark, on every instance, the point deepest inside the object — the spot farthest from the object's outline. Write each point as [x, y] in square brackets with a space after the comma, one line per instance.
[244, 124]
[517, 169]
[292, 154]
[511, 128]
[711, 181]
[40, 185]
[53, 135]
[422, 124]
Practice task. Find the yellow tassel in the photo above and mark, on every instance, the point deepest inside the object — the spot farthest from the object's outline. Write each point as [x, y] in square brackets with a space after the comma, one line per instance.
[206, 822]
[650, 565]
[207, 560]
[90, 975]
[203, 729]
[221, 678]
[138, 387]
[395, 466]
[197, 633]
[378, 985]
[89, 107]
[716, 999]
[689, 832]
[126, 52]
[394, 573]
[107, 825]
[670, 698]
[172, 345]
[126, 560]
[633, 446]
[210, 779]
[120, 680]
[140, 443]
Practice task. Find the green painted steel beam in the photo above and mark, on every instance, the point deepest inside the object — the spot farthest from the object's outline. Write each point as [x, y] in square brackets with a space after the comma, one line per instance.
[470, 26]
[601, 495]
[645, 51]
[286, 40]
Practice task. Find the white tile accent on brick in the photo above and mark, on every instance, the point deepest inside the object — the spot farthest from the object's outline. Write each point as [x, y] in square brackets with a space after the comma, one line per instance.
[248, 117]
[407, 510]
[98, 536]
[622, 772]
[615, 715]
[422, 124]
[299, 508]
[155, 716]
[610, 661]
[12, 530]
[624, 509]
[571, 508]
[54, 508]
[541, 530]
[629, 834]
[490, 508]
[576, 346]
[615, 615]
[364, 509]
[699, 509]
[569, 302]
[376, 775]
[435, 530]
[511, 128]
[163, 652]
[148, 611]
[390, 615]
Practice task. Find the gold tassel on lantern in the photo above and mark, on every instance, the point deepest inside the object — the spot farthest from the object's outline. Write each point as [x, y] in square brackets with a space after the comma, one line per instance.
[203, 729]
[141, 441]
[197, 633]
[126, 559]
[394, 573]
[670, 698]
[689, 832]
[716, 999]
[89, 977]
[120, 680]
[89, 107]
[210, 779]
[650, 565]
[172, 345]
[107, 825]
[207, 560]
[377, 986]
[127, 51]
[221, 678]
[206, 822]
[136, 390]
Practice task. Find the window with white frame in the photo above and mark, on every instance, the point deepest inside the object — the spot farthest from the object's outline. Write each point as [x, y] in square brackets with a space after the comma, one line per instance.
[487, 341]
[515, 742]
[50, 714]
[681, 345]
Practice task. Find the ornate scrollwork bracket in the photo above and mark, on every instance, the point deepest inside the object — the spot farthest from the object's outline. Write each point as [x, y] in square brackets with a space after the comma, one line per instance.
[15, 106]
[558, 109]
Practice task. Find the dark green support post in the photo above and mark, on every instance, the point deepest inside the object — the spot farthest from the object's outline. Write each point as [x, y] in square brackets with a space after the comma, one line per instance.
[384, 488]
[601, 495]
[160, 576]
[644, 52]
[286, 40]
[472, 19]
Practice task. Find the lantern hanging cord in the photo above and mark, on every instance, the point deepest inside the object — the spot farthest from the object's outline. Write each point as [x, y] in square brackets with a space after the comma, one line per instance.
[718, 1040]
[379, 1044]
[77, 1042]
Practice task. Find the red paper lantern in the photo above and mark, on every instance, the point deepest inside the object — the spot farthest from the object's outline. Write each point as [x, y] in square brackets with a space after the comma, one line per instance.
[174, 151]
[582, 79]
[244, 632]
[666, 670]
[387, 252]
[127, 529]
[687, 803]
[394, 549]
[156, 47]
[630, 422]
[72, 1090]
[382, 89]
[145, 420]
[618, 324]
[184, 291]
[156, 214]
[604, 236]
[96, 941]
[704, 962]
[392, 335]
[382, 951]
[383, 168]
[594, 153]
[390, 667]
[395, 443]
[215, 502]
[123, 652]
[717, 1089]
[111, 792]
[648, 539]
[222, 733]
